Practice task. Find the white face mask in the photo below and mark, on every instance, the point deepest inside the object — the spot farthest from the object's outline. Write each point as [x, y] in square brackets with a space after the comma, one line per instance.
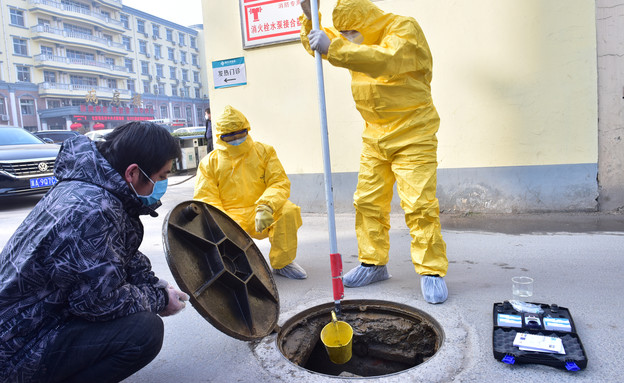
[353, 36]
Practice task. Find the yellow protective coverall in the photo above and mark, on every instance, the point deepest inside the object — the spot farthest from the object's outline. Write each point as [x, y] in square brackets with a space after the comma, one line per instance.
[236, 179]
[390, 81]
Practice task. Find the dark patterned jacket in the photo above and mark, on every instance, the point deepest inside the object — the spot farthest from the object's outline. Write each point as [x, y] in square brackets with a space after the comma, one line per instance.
[75, 255]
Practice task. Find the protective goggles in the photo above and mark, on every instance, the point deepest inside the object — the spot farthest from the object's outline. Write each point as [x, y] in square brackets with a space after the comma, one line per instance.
[224, 137]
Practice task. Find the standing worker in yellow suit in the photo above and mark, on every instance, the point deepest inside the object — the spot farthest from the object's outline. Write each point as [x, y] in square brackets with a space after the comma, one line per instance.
[391, 69]
[246, 180]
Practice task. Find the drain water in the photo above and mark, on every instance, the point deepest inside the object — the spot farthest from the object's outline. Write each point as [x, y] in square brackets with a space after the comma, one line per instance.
[387, 338]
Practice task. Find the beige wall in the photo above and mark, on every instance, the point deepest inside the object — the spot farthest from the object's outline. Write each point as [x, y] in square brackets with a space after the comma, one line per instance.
[514, 82]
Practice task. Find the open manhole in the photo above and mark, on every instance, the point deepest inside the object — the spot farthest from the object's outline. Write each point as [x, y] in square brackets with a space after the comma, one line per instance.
[232, 287]
[387, 338]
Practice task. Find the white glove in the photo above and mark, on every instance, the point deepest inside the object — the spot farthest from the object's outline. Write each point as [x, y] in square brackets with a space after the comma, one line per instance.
[177, 301]
[264, 217]
[319, 41]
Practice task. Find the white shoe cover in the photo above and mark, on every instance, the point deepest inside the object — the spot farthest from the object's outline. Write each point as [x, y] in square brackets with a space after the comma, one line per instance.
[365, 275]
[433, 289]
[292, 271]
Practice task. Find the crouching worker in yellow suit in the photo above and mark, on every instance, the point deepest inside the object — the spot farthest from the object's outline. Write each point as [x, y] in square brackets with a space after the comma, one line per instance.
[246, 180]
[390, 65]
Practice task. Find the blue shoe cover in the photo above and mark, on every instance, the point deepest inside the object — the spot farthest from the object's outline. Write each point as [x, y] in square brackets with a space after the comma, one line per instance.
[365, 275]
[433, 289]
[292, 271]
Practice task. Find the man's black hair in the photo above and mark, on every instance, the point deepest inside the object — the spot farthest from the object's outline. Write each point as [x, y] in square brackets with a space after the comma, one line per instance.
[143, 143]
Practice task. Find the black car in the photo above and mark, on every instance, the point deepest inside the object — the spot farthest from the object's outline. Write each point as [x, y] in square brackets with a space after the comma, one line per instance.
[57, 136]
[26, 163]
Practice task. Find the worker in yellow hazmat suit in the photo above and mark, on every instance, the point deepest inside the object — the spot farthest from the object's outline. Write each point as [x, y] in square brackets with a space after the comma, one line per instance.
[246, 180]
[391, 69]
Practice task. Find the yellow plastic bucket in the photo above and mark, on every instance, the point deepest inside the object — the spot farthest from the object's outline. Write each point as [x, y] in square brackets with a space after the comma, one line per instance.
[337, 337]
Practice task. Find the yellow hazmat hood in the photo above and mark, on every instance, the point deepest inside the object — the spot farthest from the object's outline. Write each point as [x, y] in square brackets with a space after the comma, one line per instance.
[359, 15]
[231, 120]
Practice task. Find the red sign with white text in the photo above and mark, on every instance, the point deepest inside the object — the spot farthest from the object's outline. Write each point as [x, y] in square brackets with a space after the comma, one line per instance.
[269, 21]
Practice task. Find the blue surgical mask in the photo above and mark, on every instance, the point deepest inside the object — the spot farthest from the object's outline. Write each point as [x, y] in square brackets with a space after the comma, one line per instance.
[237, 141]
[160, 187]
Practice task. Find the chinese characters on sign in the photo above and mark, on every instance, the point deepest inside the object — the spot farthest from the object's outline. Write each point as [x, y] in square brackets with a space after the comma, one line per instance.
[116, 100]
[269, 21]
[91, 97]
[227, 73]
[136, 100]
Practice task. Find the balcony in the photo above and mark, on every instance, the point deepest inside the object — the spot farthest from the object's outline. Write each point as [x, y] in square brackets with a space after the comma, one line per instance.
[81, 91]
[69, 64]
[111, 3]
[57, 8]
[60, 36]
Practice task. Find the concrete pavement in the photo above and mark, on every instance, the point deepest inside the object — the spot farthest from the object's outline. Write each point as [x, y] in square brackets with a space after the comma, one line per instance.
[575, 259]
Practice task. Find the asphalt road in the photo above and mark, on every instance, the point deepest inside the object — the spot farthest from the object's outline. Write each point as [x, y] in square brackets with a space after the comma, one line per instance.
[576, 260]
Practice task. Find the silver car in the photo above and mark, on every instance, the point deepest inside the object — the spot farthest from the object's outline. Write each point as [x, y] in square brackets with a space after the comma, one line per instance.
[26, 163]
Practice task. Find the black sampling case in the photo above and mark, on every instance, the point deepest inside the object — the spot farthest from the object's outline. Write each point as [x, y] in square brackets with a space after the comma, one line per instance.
[553, 322]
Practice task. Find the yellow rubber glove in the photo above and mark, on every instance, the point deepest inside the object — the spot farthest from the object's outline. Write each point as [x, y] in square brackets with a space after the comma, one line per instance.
[264, 217]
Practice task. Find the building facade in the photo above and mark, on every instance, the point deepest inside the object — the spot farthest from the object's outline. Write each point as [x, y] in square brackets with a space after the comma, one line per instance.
[72, 64]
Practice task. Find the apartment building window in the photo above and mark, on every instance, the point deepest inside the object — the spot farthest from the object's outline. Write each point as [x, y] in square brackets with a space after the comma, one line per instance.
[195, 76]
[49, 76]
[142, 46]
[140, 26]
[111, 83]
[82, 80]
[124, 20]
[129, 65]
[2, 107]
[172, 72]
[159, 70]
[157, 51]
[144, 67]
[183, 57]
[161, 88]
[171, 54]
[181, 38]
[51, 104]
[17, 17]
[163, 111]
[105, 14]
[47, 51]
[185, 74]
[189, 113]
[125, 40]
[176, 112]
[72, 54]
[146, 87]
[109, 61]
[197, 93]
[20, 46]
[194, 60]
[23, 73]
[169, 33]
[77, 7]
[155, 30]
[130, 85]
[174, 92]
[76, 30]
[193, 42]
[27, 106]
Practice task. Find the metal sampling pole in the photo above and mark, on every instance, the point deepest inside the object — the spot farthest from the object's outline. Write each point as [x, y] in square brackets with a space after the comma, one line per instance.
[335, 257]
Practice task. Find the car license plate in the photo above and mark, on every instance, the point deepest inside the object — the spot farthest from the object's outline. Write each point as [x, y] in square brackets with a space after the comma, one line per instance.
[42, 182]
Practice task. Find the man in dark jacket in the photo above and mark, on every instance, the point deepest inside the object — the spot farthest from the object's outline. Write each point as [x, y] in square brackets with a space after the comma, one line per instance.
[78, 300]
[209, 144]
